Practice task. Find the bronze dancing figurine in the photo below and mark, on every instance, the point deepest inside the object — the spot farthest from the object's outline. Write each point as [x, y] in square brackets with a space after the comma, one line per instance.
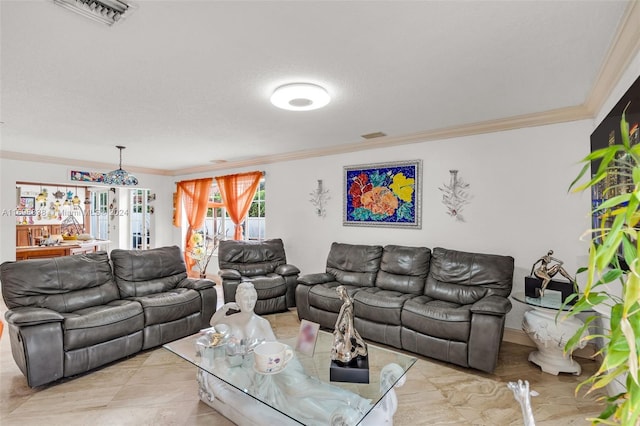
[546, 271]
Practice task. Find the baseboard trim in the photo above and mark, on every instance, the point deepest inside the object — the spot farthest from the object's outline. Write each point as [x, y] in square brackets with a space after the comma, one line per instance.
[519, 337]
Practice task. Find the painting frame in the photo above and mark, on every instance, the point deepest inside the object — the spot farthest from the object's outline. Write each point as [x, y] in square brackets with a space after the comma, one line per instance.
[307, 337]
[27, 206]
[385, 194]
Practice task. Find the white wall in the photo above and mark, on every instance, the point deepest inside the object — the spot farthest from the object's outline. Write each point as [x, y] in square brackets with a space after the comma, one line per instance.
[521, 206]
[12, 171]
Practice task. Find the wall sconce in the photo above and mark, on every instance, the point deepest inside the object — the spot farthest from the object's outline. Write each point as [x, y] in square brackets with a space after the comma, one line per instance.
[319, 198]
[455, 195]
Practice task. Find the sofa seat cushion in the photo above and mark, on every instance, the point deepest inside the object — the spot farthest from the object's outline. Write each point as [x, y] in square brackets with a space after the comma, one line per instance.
[98, 324]
[325, 297]
[437, 318]
[268, 286]
[169, 306]
[378, 305]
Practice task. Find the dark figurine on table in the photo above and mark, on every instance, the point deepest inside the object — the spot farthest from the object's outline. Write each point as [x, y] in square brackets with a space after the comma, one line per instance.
[546, 271]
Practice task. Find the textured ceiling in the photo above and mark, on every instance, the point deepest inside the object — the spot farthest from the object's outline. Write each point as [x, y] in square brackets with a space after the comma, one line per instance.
[184, 83]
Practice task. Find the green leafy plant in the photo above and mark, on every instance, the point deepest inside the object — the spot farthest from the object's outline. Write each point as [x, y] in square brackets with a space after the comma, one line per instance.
[613, 258]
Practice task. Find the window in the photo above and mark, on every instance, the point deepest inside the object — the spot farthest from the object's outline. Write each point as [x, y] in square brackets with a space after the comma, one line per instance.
[218, 222]
[140, 219]
[100, 213]
[254, 223]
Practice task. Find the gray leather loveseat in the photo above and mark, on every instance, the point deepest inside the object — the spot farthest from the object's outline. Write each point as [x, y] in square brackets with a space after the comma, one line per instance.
[444, 304]
[69, 315]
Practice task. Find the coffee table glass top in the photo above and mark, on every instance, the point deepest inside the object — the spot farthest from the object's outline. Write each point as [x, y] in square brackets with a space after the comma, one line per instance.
[308, 373]
[550, 300]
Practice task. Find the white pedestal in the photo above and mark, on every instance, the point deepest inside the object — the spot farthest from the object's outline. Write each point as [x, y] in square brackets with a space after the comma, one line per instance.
[551, 337]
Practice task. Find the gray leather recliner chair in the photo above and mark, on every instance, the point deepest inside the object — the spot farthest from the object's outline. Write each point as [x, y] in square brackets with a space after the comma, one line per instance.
[66, 316]
[264, 263]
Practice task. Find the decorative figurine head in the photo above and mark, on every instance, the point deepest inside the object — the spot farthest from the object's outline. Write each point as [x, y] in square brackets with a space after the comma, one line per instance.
[246, 297]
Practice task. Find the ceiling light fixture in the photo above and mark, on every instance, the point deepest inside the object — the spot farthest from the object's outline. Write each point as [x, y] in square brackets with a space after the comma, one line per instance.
[300, 97]
[120, 177]
[106, 11]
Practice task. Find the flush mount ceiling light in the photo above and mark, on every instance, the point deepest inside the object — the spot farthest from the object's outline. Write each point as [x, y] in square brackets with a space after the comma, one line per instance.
[106, 11]
[300, 97]
[120, 177]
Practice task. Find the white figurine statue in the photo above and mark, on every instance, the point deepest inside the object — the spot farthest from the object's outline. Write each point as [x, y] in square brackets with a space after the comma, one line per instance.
[292, 388]
[244, 324]
[522, 394]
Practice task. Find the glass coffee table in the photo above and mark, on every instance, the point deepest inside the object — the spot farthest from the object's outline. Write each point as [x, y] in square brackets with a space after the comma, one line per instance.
[299, 394]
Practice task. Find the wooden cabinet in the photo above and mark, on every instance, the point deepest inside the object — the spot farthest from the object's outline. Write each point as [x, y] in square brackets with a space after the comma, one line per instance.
[42, 252]
[29, 235]
[64, 249]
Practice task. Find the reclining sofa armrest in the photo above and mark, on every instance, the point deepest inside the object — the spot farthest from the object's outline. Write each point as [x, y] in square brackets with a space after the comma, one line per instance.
[492, 305]
[196, 283]
[28, 316]
[229, 274]
[286, 270]
[318, 278]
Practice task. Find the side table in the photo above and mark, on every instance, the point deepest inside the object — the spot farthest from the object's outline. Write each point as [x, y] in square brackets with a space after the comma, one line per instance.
[549, 335]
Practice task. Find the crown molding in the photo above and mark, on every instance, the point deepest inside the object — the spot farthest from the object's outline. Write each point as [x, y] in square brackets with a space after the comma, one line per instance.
[21, 156]
[560, 115]
[624, 47]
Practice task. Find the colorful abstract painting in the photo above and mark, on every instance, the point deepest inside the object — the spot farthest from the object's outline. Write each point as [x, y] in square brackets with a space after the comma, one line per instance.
[77, 175]
[383, 194]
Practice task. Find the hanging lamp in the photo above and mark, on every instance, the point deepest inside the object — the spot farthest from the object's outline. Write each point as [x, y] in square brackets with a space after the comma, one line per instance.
[119, 176]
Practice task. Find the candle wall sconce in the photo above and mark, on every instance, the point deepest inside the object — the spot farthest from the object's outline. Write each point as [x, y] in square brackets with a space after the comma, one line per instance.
[455, 195]
[319, 199]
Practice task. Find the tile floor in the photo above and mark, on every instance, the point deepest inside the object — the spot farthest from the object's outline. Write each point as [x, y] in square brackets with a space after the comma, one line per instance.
[156, 387]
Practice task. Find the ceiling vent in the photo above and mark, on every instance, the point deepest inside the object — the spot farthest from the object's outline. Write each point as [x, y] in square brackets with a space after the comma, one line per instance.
[106, 11]
[373, 135]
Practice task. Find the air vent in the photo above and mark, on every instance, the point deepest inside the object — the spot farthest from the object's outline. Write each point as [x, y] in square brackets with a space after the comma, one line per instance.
[374, 135]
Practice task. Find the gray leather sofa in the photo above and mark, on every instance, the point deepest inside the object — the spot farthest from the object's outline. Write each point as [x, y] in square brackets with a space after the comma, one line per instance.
[69, 315]
[264, 263]
[444, 304]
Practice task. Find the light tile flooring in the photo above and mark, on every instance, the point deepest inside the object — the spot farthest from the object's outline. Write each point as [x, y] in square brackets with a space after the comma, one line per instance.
[156, 387]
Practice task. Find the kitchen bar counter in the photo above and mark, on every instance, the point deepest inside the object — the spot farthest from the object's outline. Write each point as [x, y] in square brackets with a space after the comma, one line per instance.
[66, 248]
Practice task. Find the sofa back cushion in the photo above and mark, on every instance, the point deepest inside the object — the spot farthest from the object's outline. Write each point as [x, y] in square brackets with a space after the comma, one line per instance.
[354, 264]
[404, 269]
[465, 278]
[63, 284]
[251, 258]
[143, 272]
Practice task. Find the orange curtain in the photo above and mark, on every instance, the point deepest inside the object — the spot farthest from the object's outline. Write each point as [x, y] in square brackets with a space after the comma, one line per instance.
[193, 195]
[237, 192]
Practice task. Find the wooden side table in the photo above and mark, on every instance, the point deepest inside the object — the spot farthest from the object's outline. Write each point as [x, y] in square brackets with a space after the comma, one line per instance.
[550, 335]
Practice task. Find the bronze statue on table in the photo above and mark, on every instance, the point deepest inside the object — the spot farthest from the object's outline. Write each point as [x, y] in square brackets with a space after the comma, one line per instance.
[546, 271]
[347, 343]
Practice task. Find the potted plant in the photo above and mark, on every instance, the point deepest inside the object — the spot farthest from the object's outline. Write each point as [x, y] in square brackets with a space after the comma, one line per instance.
[614, 258]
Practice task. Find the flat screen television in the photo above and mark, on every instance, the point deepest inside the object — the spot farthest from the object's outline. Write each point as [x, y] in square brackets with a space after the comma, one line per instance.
[608, 133]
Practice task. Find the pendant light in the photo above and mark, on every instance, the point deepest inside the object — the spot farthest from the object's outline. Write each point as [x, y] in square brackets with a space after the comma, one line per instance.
[119, 176]
[76, 200]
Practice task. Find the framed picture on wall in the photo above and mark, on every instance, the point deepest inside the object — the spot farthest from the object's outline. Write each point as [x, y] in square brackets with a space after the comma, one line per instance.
[27, 206]
[383, 194]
